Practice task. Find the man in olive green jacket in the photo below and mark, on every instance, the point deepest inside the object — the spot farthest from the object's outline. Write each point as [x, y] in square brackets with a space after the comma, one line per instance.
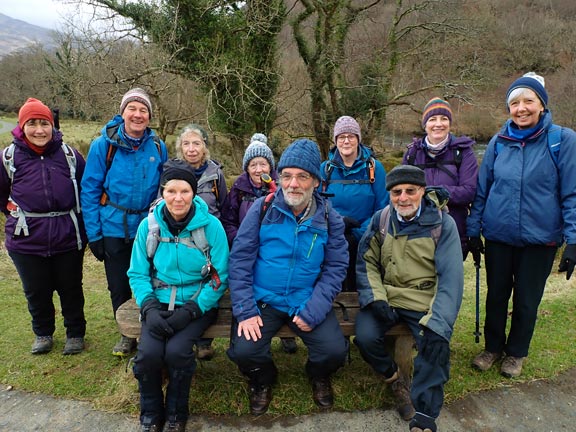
[410, 270]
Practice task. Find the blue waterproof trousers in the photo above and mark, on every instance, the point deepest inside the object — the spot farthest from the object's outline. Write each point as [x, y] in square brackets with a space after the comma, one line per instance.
[427, 389]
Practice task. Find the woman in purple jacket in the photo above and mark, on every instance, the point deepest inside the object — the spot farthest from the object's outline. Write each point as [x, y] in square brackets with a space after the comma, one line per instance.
[447, 161]
[45, 234]
[249, 186]
[258, 161]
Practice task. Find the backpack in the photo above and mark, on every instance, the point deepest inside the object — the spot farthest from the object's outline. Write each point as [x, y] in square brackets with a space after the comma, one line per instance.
[21, 225]
[553, 139]
[434, 163]
[329, 168]
[197, 240]
[435, 232]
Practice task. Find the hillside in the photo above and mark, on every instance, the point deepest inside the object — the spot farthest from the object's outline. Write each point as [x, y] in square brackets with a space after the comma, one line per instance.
[16, 34]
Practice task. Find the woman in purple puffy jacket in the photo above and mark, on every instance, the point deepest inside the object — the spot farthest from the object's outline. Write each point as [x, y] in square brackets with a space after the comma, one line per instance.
[447, 161]
[45, 235]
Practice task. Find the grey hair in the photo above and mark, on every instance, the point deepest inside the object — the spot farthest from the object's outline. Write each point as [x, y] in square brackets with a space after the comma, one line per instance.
[517, 93]
[193, 129]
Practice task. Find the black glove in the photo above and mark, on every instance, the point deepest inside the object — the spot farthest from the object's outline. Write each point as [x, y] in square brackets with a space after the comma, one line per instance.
[434, 348]
[568, 260]
[155, 317]
[97, 248]
[476, 248]
[384, 312]
[350, 223]
[184, 315]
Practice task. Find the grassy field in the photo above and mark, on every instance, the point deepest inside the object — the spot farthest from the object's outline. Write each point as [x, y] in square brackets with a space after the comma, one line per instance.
[107, 382]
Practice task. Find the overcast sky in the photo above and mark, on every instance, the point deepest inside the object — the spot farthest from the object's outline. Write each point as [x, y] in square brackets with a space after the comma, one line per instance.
[44, 13]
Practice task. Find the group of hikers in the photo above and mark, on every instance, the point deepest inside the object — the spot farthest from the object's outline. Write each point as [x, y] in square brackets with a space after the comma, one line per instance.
[286, 239]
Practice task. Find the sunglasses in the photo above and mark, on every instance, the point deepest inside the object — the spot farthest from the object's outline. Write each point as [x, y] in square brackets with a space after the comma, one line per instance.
[409, 191]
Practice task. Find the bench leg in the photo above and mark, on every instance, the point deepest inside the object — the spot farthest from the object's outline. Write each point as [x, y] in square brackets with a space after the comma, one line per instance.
[404, 357]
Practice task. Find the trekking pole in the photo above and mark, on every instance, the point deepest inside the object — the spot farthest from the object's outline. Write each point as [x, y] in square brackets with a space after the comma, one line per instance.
[477, 333]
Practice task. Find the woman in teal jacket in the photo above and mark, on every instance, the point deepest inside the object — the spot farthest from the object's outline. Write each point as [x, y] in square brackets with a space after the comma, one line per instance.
[355, 183]
[177, 282]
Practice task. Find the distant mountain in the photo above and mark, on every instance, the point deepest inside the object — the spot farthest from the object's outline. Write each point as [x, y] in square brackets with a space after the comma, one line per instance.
[16, 34]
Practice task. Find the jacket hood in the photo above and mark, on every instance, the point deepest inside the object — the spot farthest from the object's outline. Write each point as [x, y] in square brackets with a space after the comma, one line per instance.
[437, 196]
[364, 153]
[111, 131]
[54, 144]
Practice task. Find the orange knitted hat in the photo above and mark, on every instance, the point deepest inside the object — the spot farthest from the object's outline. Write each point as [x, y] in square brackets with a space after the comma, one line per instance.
[34, 109]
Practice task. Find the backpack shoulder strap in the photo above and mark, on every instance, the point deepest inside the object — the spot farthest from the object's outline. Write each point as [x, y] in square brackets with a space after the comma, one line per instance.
[384, 222]
[109, 157]
[371, 168]
[328, 168]
[265, 206]
[199, 239]
[554, 141]
[411, 155]
[72, 163]
[153, 237]
[457, 152]
[8, 160]
[157, 141]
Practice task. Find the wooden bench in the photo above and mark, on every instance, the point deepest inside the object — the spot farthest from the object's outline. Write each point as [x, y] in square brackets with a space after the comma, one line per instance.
[346, 308]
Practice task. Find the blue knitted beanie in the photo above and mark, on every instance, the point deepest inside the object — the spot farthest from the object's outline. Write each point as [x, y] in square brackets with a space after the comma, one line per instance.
[530, 81]
[304, 154]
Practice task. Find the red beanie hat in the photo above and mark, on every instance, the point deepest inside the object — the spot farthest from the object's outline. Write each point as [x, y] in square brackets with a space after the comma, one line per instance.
[34, 109]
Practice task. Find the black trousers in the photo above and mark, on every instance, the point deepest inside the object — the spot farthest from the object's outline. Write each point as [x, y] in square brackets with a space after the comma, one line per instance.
[520, 272]
[41, 276]
[116, 264]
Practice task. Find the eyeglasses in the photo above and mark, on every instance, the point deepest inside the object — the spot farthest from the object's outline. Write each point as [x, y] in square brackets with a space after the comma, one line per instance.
[408, 191]
[300, 178]
[343, 138]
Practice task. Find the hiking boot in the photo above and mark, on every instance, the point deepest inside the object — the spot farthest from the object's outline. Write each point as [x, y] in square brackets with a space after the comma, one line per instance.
[42, 345]
[151, 428]
[511, 366]
[403, 402]
[175, 427]
[289, 345]
[322, 392]
[485, 360]
[417, 429]
[205, 352]
[124, 347]
[73, 346]
[260, 398]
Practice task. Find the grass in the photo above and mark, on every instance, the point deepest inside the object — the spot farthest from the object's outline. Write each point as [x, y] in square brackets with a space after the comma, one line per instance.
[107, 382]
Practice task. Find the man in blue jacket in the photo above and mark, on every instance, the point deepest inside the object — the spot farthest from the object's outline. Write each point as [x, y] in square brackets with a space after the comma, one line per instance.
[288, 267]
[120, 182]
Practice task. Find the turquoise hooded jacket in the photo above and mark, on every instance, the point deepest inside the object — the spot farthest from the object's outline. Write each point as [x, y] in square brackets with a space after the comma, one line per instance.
[179, 265]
